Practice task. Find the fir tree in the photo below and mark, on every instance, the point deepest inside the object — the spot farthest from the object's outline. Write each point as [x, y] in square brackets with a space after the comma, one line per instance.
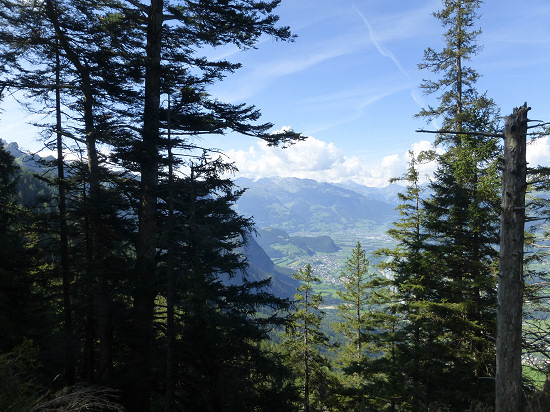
[353, 312]
[218, 329]
[461, 217]
[406, 266]
[368, 355]
[304, 343]
[117, 59]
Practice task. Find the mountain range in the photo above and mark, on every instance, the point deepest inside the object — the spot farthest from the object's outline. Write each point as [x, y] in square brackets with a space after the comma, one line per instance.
[305, 205]
[294, 217]
[298, 220]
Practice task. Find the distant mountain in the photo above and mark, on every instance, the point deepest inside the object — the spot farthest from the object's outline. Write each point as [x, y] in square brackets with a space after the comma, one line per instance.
[31, 191]
[277, 243]
[260, 266]
[386, 194]
[34, 163]
[298, 205]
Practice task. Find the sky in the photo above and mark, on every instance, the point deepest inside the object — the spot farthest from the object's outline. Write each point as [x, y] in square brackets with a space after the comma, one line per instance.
[350, 82]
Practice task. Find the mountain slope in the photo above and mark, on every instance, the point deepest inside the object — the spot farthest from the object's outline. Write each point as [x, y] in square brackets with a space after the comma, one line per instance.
[261, 267]
[307, 205]
[388, 194]
[33, 163]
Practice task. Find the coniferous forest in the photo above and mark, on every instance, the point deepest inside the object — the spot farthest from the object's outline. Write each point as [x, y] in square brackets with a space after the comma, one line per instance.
[123, 285]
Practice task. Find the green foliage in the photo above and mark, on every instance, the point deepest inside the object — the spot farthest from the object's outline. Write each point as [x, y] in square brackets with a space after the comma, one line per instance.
[222, 317]
[304, 345]
[355, 298]
[368, 322]
[154, 257]
[450, 292]
[34, 193]
[110, 84]
[21, 302]
[457, 81]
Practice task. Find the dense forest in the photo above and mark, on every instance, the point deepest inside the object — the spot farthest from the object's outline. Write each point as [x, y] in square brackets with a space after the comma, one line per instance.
[122, 282]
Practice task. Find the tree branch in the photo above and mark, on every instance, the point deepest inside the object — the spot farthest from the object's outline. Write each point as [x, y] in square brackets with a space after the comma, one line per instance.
[501, 135]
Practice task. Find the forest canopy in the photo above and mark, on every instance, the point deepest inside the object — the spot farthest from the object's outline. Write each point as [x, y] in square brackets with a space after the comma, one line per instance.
[123, 284]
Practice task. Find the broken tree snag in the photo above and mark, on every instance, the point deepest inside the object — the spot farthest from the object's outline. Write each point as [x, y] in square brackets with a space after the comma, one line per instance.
[510, 281]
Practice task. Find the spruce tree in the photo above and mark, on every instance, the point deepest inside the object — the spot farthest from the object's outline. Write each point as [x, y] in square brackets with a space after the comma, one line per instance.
[65, 37]
[406, 266]
[217, 321]
[118, 59]
[368, 324]
[461, 217]
[14, 286]
[305, 344]
[354, 295]
[168, 40]
[353, 312]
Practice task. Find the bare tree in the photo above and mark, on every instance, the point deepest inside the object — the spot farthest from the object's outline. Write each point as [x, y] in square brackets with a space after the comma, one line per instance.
[510, 284]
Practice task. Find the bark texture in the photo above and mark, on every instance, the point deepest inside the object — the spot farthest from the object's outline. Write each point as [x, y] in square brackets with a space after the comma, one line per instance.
[510, 284]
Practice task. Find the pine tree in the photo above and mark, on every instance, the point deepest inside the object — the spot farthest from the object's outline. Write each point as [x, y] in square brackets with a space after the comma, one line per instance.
[406, 266]
[305, 343]
[461, 217]
[171, 65]
[217, 322]
[367, 357]
[354, 295]
[353, 312]
[55, 37]
[117, 60]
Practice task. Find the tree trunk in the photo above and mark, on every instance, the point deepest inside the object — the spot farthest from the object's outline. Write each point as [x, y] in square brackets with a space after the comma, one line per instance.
[144, 292]
[93, 207]
[510, 282]
[64, 244]
[170, 282]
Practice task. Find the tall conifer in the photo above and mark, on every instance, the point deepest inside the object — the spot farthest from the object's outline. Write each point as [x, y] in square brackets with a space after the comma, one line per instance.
[304, 342]
[368, 324]
[406, 265]
[461, 216]
[118, 59]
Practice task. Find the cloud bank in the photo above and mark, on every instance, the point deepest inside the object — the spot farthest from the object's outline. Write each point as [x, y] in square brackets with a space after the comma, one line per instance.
[322, 161]
[538, 152]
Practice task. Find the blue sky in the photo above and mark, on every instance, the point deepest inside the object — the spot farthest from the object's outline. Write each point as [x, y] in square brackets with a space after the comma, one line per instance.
[350, 81]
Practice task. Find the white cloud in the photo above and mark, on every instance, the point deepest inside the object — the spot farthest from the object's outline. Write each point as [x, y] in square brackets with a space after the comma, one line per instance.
[538, 152]
[319, 160]
[322, 161]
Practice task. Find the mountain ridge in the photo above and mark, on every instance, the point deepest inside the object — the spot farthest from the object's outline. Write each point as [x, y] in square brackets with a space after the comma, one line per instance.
[32, 162]
[305, 205]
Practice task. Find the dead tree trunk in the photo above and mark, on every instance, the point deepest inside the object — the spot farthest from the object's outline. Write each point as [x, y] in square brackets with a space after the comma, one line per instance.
[510, 282]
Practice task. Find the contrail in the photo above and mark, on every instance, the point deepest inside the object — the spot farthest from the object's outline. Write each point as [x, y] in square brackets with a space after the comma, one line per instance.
[379, 46]
[387, 53]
